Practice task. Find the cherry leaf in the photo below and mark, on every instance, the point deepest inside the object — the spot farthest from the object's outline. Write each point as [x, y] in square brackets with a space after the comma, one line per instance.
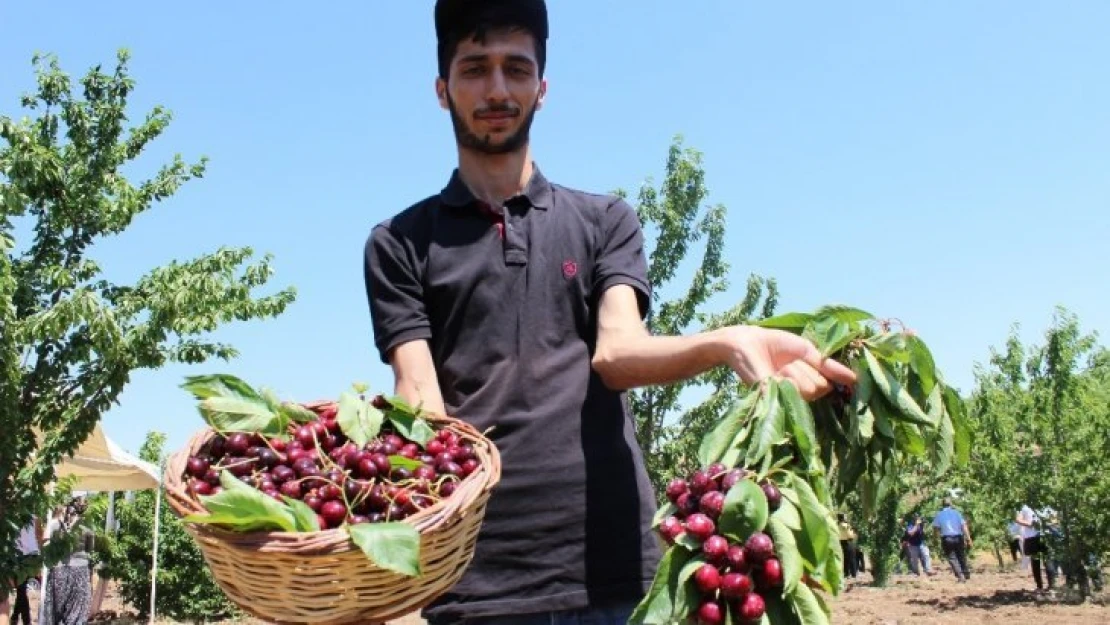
[394, 546]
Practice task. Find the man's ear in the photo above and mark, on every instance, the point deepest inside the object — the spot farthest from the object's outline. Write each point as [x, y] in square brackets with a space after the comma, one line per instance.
[441, 93]
[543, 94]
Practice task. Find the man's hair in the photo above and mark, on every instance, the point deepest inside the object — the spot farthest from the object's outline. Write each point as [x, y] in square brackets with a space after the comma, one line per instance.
[947, 503]
[459, 20]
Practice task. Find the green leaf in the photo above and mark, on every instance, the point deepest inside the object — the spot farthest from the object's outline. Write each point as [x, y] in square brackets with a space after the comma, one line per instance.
[303, 517]
[688, 542]
[896, 394]
[847, 314]
[890, 345]
[801, 419]
[778, 611]
[863, 425]
[398, 460]
[921, 361]
[807, 607]
[398, 404]
[662, 513]
[235, 414]
[745, 511]
[658, 605]
[791, 321]
[909, 438]
[787, 550]
[218, 385]
[297, 413]
[814, 522]
[787, 513]
[411, 427]
[769, 424]
[359, 420]
[242, 508]
[394, 546]
[718, 440]
[955, 408]
[829, 334]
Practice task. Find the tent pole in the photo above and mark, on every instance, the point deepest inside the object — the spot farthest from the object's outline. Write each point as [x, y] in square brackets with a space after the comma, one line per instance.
[154, 566]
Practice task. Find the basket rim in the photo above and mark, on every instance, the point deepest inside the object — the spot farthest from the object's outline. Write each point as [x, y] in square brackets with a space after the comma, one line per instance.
[469, 493]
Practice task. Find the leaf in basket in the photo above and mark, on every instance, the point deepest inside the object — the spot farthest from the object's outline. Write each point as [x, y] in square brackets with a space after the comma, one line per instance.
[242, 414]
[297, 413]
[303, 516]
[407, 463]
[360, 421]
[413, 428]
[402, 406]
[394, 546]
[218, 385]
[244, 509]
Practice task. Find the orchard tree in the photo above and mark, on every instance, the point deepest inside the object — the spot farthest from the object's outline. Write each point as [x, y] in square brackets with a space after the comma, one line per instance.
[186, 588]
[1043, 416]
[69, 338]
[678, 225]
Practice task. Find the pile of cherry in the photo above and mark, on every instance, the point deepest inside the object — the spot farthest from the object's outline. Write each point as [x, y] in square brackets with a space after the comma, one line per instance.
[387, 479]
[737, 573]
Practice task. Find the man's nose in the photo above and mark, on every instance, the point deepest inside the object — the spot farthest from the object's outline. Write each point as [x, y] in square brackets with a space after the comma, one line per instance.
[498, 88]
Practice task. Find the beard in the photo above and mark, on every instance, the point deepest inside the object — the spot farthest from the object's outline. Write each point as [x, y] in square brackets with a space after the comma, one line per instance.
[468, 139]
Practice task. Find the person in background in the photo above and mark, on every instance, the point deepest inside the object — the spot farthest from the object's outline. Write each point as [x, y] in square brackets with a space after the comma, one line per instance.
[1034, 547]
[914, 538]
[68, 584]
[955, 539]
[28, 546]
[1014, 531]
[848, 545]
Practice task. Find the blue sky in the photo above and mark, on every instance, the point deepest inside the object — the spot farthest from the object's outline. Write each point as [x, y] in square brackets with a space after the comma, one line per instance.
[944, 162]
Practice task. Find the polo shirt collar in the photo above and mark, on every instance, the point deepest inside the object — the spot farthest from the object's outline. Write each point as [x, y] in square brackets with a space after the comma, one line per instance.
[537, 192]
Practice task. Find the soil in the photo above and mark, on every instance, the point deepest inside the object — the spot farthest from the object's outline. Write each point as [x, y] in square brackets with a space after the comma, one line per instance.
[990, 597]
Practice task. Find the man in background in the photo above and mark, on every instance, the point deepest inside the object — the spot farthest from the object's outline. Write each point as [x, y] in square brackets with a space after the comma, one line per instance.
[1033, 546]
[955, 539]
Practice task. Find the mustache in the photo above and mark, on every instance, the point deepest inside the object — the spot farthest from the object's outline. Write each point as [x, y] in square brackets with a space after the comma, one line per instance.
[497, 109]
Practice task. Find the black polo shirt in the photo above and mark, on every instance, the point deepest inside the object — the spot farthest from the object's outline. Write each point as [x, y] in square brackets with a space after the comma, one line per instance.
[509, 307]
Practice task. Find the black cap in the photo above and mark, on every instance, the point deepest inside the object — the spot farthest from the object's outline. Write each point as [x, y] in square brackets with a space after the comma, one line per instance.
[451, 16]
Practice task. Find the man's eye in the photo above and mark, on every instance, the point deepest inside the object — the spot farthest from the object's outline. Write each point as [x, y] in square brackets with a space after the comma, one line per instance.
[472, 71]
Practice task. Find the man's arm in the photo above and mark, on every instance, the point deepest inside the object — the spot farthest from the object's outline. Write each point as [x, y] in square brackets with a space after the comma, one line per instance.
[414, 375]
[628, 356]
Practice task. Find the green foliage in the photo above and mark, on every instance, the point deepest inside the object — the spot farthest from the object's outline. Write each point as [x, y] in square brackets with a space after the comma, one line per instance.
[186, 589]
[678, 227]
[69, 338]
[1042, 415]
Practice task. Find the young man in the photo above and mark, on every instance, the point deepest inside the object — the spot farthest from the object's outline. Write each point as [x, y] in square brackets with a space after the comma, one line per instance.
[517, 305]
[955, 539]
[1033, 546]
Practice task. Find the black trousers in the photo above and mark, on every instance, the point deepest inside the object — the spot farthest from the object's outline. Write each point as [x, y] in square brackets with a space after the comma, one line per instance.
[851, 564]
[955, 549]
[1036, 551]
[22, 606]
[1015, 548]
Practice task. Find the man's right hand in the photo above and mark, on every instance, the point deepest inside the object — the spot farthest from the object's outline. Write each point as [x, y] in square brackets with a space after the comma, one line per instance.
[757, 353]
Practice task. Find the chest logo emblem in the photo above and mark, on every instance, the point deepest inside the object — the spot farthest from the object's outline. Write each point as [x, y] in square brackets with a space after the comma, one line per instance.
[570, 269]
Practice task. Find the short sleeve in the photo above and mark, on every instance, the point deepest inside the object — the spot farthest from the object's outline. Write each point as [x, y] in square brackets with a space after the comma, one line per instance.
[622, 259]
[394, 290]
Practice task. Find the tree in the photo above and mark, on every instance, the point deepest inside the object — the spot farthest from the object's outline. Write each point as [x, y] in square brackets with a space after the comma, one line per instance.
[186, 589]
[70, 339]
[1044, 418]
[675, 224]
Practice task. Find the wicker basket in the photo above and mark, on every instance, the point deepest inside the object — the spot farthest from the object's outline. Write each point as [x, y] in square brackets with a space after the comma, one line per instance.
[323, 577]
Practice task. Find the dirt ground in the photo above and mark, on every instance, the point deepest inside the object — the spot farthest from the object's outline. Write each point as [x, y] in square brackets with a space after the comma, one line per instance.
[991, 597]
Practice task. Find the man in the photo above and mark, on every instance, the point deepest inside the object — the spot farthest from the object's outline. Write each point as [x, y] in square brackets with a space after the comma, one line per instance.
[517, 305]
[848, 546]
[955, 539]
[1033, 546]
[1013, 530]
[28, 545]
[914, 537]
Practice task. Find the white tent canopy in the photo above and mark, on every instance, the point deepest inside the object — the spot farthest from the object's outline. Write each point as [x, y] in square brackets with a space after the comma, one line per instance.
[100, 465]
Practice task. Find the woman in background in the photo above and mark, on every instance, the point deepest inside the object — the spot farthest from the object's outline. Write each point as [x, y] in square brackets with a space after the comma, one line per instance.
[68, 587]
